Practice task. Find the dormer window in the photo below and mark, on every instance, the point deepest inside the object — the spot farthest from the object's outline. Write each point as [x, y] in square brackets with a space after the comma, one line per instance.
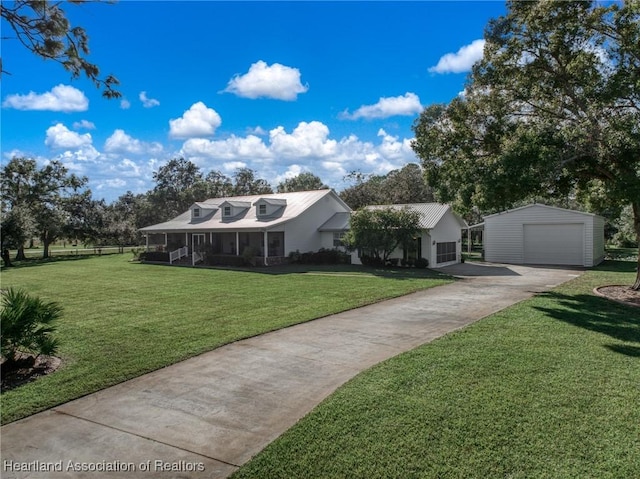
[262, 209]
[227, 211]
[196, 212]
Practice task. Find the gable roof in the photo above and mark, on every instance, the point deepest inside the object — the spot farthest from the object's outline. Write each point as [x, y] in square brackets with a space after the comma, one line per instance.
[338, 222]
[540, 205]
[296, 203]
[430, 213]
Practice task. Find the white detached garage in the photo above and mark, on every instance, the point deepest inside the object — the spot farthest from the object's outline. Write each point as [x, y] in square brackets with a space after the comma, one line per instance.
[540, 234]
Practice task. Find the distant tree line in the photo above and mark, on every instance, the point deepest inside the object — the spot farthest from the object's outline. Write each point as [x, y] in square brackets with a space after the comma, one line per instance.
[49, 203]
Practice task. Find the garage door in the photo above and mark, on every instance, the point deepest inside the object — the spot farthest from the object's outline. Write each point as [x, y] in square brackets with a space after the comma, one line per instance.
[554, 244]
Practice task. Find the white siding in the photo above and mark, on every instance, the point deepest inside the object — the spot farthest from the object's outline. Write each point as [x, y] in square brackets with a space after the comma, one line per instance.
[447, 230]
[504, 236]
[598, 240]
[302, 233]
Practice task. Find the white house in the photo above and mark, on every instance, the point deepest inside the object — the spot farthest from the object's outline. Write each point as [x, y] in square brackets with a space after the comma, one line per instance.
[440, 241]
[272, 225]
[540, 234]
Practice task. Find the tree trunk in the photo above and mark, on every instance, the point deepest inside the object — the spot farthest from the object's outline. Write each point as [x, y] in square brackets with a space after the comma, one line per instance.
[6, 257]
[636, 225]
[20, 256]
[45, 245]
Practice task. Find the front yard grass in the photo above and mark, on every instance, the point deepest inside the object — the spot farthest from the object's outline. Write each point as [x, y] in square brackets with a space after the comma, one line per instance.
[549, 388]
[124, 319]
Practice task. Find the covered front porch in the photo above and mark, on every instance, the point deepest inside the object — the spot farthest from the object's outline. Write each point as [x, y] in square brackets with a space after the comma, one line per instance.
[212, 248]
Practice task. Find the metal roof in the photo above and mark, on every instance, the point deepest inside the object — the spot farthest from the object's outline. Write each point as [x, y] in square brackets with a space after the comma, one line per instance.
[296, 203]
[430, 213]
[338, 222]
[541, 205]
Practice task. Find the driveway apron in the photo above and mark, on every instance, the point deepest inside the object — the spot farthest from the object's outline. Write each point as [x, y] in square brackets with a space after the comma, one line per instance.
[206, 416]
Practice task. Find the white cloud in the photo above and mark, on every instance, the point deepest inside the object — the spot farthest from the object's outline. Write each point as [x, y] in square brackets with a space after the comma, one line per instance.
[307, 140]
[84, 125]
[147, 102]
[113, 183]
[120, 142]
[292, 172]
[81, 161]
[59, 136]
[248, 148]
[61, 98]
[128, 168]
[277, 81]
[405, 105]
[258, 130]
[197, 121]
[233, 165]
[462, 60]
[393, 149]
[125, 104]
[308, 147]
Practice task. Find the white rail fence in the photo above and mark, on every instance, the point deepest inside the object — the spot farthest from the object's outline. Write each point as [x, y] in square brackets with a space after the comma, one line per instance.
[178, 254]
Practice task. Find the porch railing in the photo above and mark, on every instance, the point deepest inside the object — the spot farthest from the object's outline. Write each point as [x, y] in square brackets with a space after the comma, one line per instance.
[197, 258]
[178, 254]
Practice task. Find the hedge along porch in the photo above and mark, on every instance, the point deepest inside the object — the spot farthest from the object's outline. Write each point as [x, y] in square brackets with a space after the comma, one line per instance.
[264, 227]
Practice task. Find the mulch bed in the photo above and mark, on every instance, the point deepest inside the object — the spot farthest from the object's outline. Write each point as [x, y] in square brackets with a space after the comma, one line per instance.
[27, 369]
[620, 294]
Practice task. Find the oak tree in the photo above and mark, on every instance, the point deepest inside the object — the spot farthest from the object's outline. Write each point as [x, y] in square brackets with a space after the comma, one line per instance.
[552, 109]
[43, 28]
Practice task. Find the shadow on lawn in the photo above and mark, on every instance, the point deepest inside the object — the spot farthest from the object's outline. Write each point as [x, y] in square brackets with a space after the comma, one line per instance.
[599, 315]
[348, 269]
[31, 262]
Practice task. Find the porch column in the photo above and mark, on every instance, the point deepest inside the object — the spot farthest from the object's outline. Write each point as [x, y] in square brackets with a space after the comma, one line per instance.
[266, 247]
[469, 240]
[186, 240]
[237, 243]
[147, 240]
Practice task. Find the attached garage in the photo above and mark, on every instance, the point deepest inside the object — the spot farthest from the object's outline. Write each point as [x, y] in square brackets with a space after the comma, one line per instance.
[540, 234]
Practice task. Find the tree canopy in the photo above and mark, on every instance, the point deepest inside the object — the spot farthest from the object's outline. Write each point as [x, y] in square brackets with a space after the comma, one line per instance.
[552, 109]
[379, 231]
[403, 186]
[303, 182]
[42, 201]
[43, 28]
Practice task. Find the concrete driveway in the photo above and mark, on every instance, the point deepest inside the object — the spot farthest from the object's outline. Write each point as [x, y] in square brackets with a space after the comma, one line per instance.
[204, 417]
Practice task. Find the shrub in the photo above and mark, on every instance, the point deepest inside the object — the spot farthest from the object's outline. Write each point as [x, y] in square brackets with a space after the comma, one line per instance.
[224, 260]
[249, 255]
[157, 256]
[421, 263]
[322, 256]
[27, 325]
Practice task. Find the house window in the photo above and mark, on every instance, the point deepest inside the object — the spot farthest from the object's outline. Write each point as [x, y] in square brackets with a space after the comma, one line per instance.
[445, 252]
[262, 209]
[337, 239]
[227, 211]
[196, 212]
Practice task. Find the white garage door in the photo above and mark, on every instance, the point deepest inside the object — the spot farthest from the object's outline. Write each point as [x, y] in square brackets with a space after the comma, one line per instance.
[554, 244]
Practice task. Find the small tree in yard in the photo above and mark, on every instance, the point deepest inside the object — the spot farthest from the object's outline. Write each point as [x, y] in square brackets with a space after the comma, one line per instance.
[380, 231]
[26, 326]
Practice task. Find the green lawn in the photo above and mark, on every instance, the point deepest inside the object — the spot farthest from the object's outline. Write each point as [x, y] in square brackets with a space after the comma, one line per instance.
[123, 319]
[549, 388]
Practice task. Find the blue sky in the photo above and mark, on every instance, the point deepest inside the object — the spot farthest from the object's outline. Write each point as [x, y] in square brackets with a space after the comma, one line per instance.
[279, 87]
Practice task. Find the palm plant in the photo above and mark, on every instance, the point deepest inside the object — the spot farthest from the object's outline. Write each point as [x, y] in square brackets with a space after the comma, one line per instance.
[27, 325]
